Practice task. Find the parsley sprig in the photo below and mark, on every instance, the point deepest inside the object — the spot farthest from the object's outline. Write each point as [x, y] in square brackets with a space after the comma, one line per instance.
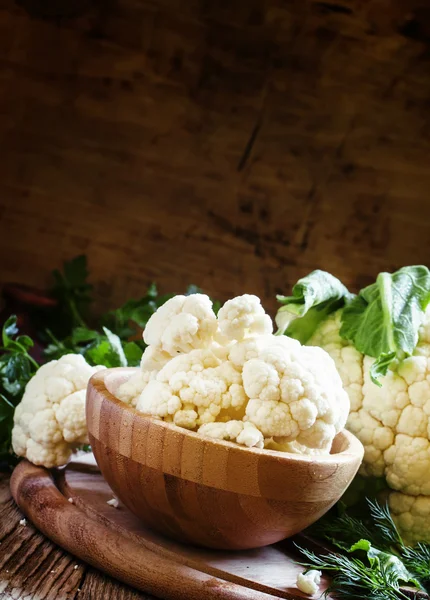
[17, 367]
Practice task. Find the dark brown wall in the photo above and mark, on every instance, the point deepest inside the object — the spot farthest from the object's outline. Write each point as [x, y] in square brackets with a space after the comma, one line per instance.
[236, 144]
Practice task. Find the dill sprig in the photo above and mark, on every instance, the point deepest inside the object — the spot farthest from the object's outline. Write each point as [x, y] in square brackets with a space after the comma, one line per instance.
[373, 562]
[353, 578]
[417, 560]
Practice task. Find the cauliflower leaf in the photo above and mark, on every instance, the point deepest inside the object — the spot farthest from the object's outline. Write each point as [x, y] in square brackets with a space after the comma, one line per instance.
[314, 298]
[383, 320]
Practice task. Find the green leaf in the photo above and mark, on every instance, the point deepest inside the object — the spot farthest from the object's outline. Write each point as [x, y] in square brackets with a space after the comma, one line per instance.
[106, 351]
[82, 334]
[73, 294]
[383, 320]
[10, 329]
[387, 562]
[100, 353]
[193, 289]
[116, 346]
[380, 366]
[17, 367]
[314, 298]
[25, 341]
[133, 353]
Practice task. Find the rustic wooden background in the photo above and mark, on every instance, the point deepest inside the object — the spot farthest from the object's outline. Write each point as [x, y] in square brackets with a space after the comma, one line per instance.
[236, 144]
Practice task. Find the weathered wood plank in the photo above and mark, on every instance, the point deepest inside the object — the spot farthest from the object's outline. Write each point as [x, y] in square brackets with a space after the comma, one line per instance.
[32, 568]
[235, 145]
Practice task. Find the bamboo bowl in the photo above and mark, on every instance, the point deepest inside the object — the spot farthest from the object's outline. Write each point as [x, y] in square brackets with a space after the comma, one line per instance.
[210, 493]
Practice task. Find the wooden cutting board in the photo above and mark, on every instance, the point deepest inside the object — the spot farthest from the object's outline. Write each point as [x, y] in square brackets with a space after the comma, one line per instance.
[114, 541]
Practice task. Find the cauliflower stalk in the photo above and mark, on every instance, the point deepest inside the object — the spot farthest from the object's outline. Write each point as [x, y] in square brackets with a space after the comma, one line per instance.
[229, 378]
[380, 343]
[49, 422]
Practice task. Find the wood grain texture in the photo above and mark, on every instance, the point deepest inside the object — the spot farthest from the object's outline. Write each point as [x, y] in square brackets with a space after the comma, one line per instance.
[117, 542]
[236, 145]
[32, 567]
[206, 492]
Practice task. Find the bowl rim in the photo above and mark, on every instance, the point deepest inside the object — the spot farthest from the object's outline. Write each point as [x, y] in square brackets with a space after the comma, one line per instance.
[353, 450]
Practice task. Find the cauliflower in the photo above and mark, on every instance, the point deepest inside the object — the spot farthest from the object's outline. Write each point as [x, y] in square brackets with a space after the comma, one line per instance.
[243, 317]
[237, 431]
[392, 421]
[182, 324]
[230, 378]
[308, 582]
[152, 361]
[295, 394]
[198, 385]
[411, 515]
[49, 422]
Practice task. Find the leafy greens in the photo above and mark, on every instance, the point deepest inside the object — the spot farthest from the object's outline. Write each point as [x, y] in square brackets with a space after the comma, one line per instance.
[372, 560]
[382, 321]
[17, 367]
[314, 298]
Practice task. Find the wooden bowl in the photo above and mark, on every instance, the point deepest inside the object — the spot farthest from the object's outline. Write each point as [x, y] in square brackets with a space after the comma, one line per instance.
[210, 493]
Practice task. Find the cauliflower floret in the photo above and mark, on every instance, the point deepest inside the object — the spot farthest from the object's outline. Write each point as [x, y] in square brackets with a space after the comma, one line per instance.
[408, 465]
[242, 317]
[182, 324]
[153, 359]
[242, 433]
[130, 391]
[281, 445]
[199, 380]
[157, 399]
[70, 416]
[47, 456]
[151, 362]
[49, 422]
[375, 438]
[348, 360]
[411, 515]
[295, 394]
[308, 582]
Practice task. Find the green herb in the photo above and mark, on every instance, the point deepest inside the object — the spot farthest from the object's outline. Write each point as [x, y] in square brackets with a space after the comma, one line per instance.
[417, 559]
[72, 292]
[383, 320]
[314, 298]
[355, 578]
[372, 560]
[17, 367]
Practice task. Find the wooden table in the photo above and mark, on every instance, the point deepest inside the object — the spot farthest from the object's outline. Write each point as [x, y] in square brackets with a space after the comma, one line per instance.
[32, 567]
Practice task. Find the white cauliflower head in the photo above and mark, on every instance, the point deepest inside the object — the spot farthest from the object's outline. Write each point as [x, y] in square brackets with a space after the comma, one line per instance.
[49, 422]
[392, 421]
